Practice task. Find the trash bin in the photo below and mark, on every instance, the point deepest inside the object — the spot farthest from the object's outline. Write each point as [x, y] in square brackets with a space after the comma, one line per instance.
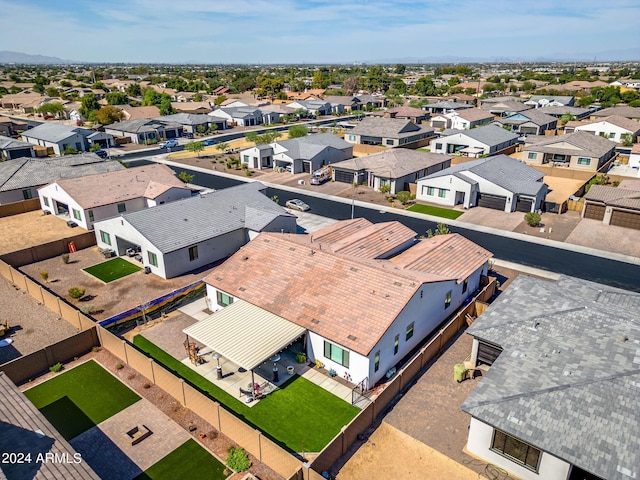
[459, 372]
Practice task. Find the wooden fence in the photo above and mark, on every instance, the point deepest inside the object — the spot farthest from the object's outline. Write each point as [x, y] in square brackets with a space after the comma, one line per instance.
[48, 250]
[16, 208]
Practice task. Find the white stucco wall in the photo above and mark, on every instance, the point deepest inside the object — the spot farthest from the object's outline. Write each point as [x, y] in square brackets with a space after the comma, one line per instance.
[479, 444]
[605, 128]
[170, 195]
[213, 298]
[448, 182]
[457, 139]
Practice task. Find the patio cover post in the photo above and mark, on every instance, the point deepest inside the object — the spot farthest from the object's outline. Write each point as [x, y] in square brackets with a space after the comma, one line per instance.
[253, 383]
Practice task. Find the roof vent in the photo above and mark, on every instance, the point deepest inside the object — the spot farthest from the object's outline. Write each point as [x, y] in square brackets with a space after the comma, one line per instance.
[351, 337]
[353, 269]
[242, 289]
[535, 326]
[315, 320]
[293, 249]
[623, 339]
[397, 284]
[245, 258]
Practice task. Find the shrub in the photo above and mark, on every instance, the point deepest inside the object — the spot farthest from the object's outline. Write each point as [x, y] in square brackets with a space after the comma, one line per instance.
[86, 309]
[301, 357]
[532, 218]
[76, 292]
[65, 258]
[56, 368]
[44, 276]
[119, 366]
[403, 196]
[95, 349]
[248, 173]
[385, 189]
[238, 460]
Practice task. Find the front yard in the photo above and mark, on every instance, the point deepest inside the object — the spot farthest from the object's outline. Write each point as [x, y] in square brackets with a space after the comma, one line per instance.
[435, 211]
[299, 415]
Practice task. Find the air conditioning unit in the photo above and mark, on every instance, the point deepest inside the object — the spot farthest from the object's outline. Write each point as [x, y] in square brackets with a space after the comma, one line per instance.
[147, 269]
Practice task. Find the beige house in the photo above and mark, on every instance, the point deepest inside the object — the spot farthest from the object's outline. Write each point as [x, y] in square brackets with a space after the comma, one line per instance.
[579, 150]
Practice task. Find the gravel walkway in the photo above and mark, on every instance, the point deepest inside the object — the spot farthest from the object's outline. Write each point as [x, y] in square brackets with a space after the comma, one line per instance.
[33, 325]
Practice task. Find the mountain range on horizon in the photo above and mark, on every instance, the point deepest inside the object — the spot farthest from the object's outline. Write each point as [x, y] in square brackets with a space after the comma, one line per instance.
[621, 55]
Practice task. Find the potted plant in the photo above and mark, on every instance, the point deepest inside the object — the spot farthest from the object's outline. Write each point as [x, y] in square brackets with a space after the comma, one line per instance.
[301, 357]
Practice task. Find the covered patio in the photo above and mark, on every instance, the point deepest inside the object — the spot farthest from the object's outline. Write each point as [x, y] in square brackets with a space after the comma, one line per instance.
[243, 350]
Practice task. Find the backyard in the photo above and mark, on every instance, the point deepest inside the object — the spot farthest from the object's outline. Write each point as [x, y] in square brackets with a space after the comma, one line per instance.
[81, 398]
[112, 269]
[299, 415]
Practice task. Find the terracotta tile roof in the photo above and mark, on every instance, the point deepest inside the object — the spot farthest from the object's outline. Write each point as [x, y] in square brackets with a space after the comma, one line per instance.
[351, 299]
[134, 113]
[449, 255]
[361, 240]
[110, 187]
[474, 114]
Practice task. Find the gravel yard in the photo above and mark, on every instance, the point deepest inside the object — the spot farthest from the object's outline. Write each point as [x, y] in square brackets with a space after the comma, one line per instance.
[33, 326]
[106, 299]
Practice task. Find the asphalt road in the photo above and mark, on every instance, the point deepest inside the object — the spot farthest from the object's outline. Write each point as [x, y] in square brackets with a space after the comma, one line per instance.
[596, 269]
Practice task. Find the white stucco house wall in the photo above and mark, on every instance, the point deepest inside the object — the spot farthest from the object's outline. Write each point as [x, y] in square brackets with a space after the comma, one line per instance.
[58, 137]
[485, 140]
[363, 340]
[613, 128]
[91, 198]
[498, 182]
[181, 236]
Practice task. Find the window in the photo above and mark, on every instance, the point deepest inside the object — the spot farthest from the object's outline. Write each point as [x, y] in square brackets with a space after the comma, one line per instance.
[584, 161]
[389, 142]
[90, 213]
[438, 146]
[465, 285]
[122, 208]
[193, 253]
[76, 214]
[442, 193]
[376, 361]
[223, 299]
[352, 138]
[447, 299]
[431, 191]
[105, 237]
[516, 450]
[153, 258]
[46, 200]
[246, 159]
[532, 156]
[612, 135]
[409, 332]
[396, 344]
[27, 194]
[336, 354]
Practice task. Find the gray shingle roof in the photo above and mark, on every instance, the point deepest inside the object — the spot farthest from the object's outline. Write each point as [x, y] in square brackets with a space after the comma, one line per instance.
[535, 116]
[568, 379]
[388, 128]
[623, 111]
[501, 170]
[7, 143]
[564, 99]
[448, 105]
[54, 132]
[182, 223]
[489, 134]
[393, 163]
[309, 146]
[558, 111]
[139, 125]
[592, 145]
[187, 118]
[34, 172]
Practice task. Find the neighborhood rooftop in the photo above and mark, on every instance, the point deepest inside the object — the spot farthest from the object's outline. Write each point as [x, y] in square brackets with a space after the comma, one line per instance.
[566, 144]
[388, 127]
[181, 223]
[30, 172]
[567, 379]
[54, 132]
[394, 163]
[105, 188]
[502, 170]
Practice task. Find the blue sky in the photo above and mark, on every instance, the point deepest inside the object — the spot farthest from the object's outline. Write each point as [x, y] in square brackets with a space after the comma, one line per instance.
[317, 31]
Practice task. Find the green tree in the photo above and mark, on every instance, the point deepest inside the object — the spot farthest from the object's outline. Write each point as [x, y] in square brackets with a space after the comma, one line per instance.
[424, 86]
[532, 218]
[319, 80]
[441, 229]
[403, 196]
[218, 101]
[586, 101]
[52, 92]
[89, 104]
[116, 98]
[222, 147]
[165, 107]
[194, 147]
[52, 108]
[567, 117]
[186, 177]
[399, 69]
[134, 90]
[296, 131]
[109, 114]
[528, 86]
[628, 139]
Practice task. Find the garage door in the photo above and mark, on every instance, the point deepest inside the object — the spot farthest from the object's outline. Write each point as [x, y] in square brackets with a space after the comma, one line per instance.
[528, 130]
[491, 201]
[170, 134]
[626, 219]
[487, 353]
[438, 124]
[306, 167]
[595, 211]
[342, 176]
[524, 204]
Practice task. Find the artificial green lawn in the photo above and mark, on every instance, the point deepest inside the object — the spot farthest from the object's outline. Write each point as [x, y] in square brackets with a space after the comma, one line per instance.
[435, 211]
[112, 269]
[299, 415]
[189, 460]
[78, 399]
